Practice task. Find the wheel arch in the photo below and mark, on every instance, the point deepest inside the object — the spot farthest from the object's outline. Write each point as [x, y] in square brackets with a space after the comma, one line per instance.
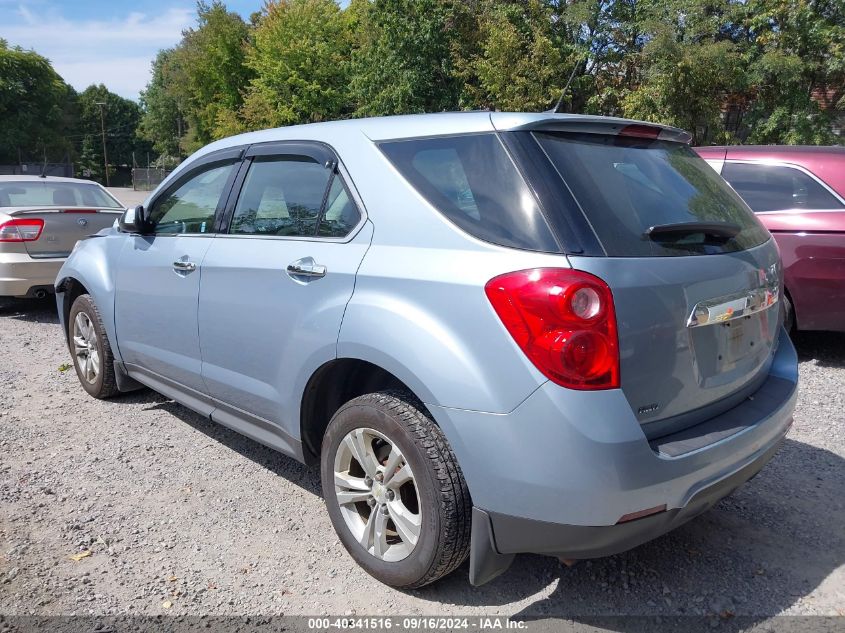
[333, 384]
[89, 270]
[67, 290]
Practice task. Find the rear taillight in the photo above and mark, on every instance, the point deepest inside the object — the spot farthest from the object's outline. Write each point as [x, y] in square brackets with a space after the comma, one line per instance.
[21, 230]
[564, 321]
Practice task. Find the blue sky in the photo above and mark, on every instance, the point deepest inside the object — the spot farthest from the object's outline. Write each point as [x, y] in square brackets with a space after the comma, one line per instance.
[102, 41]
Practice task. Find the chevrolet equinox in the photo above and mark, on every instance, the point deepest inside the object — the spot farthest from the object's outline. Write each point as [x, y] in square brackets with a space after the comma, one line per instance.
[495, 333]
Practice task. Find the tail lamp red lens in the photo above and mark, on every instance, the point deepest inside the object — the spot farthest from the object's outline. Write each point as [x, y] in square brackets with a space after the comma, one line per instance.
[564, 321]
[21, 230]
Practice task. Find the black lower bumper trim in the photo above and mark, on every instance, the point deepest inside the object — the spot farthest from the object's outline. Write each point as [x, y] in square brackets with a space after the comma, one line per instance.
[498, 537]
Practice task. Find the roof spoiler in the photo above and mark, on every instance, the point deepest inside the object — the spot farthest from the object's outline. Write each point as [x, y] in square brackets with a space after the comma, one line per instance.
[593, 125]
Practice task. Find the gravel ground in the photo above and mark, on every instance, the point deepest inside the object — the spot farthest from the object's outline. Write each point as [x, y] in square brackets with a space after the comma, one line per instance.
[181, 516]
[127, 196]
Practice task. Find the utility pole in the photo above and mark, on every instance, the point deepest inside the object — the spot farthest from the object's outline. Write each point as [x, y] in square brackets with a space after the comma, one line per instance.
[103, 130]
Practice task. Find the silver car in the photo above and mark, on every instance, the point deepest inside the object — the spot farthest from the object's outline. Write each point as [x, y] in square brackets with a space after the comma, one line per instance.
[40, 221]
[494, 333]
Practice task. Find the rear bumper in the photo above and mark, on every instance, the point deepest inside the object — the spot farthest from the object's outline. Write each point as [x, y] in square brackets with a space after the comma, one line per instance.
[501, 536]
[556, 475]
[20, 274]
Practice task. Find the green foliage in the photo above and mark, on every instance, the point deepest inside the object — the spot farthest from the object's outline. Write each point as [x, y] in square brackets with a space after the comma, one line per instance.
[163, 119]
[402, 57]
[691, 63]
[764, 71]
[121, 118]
[36, 107]
[685, 85]
[299, 55]
[797, 52]
[209, 72]
[520, 65]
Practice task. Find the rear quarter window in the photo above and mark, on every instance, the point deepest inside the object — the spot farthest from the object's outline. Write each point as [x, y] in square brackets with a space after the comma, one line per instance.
[472, 181]
[627, 185]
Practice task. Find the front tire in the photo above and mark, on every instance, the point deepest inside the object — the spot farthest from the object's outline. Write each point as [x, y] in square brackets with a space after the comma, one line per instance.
[89, 345]
[394, 491]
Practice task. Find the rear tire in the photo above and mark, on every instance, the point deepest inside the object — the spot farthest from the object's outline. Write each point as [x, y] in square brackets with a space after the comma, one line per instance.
[89, 345]
[420, 527]
[788, 314]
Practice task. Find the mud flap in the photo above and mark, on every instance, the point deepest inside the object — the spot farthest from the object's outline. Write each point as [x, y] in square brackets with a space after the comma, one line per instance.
[485, 562]
[124, 381]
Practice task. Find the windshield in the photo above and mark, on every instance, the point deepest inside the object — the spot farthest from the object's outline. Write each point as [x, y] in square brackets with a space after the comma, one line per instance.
[625, 186]
[34, 193]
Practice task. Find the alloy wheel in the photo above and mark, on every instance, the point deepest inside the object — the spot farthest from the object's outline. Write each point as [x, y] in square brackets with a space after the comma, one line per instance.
[85, 347]
[377, 494]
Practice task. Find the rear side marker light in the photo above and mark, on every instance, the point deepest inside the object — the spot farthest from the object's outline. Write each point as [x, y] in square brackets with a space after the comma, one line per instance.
[21, 230]
[565, 323]
[633, 516]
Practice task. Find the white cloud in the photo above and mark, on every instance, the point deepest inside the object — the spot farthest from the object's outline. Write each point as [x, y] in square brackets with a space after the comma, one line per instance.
[117, 53]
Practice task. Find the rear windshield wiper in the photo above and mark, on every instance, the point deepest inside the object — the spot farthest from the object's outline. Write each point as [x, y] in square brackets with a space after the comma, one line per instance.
[718, 231]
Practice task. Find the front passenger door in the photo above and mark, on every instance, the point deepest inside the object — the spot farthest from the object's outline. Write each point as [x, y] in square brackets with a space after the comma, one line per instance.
[158, 278]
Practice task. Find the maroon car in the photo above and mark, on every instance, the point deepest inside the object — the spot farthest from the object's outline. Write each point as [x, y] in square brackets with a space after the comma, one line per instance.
[799, 194]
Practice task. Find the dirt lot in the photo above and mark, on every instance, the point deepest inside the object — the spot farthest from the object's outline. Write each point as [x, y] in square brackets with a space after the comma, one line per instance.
[182, 516]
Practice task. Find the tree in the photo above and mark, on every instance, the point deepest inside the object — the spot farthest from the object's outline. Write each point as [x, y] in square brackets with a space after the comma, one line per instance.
[163, 121]
[726, 70]
[299, 54]
[36, 107]
[121, 118]
[685, 85]
[796, 52]
[212, 71]
[402, 57]
[520, 64]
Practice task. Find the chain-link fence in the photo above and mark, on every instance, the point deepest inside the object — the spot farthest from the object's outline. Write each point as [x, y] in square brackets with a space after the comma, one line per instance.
[148, 178]
[36, 169]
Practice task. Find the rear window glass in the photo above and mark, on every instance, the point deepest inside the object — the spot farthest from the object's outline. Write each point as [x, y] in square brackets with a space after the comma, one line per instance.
[627, 185]
[473, 182]
[61, 194]
[776, 187]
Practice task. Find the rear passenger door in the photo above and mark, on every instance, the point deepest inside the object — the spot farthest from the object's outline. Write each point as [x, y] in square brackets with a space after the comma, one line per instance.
[275, 284]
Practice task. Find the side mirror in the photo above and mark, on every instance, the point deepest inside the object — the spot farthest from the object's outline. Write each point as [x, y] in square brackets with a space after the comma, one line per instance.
[132, 221]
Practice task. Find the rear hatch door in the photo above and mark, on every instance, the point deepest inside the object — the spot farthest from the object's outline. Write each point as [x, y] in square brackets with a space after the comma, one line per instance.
[695, 276]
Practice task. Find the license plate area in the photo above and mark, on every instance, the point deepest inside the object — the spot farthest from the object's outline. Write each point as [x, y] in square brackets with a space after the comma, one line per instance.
[722, 351]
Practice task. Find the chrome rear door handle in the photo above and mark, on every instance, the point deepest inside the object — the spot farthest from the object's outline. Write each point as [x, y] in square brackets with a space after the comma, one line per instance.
[184, 266]
[306, 267]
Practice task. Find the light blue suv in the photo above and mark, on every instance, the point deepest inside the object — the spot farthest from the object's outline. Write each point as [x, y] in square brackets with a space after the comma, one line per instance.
[495, 333]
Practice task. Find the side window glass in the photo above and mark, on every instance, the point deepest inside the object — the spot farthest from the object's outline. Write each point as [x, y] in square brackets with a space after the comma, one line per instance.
[443, 169]
[776, 188]
[341, 214]
[190, 208]
[281, 196]
[473, 182]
